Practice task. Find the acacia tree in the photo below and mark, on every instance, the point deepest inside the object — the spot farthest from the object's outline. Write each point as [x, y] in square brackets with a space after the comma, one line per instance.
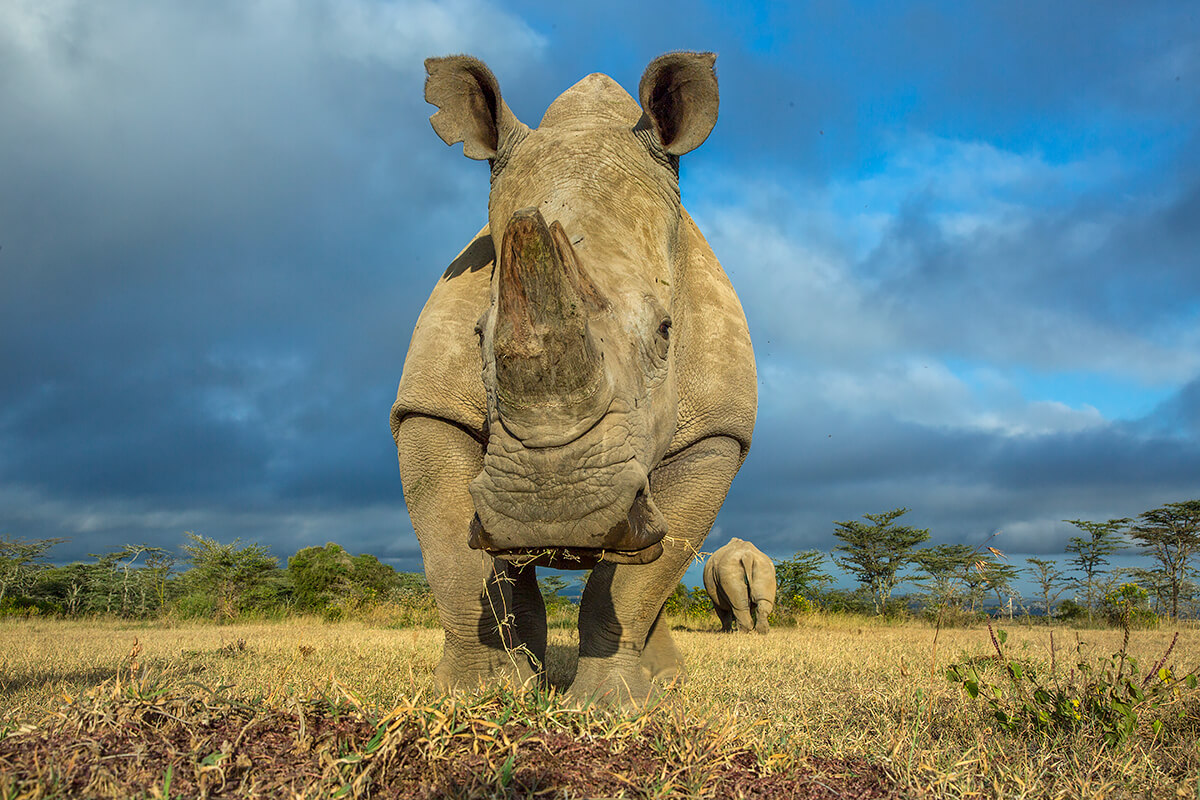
[1155, 582]
[550, 586]
[1090, 554]
[801, 575]
[995, 576]
[1171, 535]
[19, 561]
[946, 567]
[138, 580]
[1048, 577]
[876, 553]
[228, 574]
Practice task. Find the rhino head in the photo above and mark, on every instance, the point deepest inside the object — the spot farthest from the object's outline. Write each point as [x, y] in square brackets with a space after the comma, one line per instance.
[577, 359]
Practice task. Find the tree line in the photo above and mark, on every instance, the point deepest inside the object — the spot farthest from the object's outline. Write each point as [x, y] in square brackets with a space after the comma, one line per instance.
[230, 580]
[215, 580]
[880, 554]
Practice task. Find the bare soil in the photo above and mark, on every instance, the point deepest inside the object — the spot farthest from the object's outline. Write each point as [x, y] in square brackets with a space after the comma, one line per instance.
[141, 740]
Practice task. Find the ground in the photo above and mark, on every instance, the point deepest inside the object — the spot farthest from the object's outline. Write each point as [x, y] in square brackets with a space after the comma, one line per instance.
[839, 707]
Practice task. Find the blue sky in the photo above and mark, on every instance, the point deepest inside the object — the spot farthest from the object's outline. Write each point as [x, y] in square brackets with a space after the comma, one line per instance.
[965, 237]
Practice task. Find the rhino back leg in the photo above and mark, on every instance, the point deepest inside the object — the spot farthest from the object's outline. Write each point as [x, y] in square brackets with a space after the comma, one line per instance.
[474, 593]
[529, 611]
[732, 577]
[621, 602]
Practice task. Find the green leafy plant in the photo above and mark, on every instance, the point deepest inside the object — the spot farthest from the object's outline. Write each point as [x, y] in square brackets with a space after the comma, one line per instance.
[1108, 699]
[1127, 606]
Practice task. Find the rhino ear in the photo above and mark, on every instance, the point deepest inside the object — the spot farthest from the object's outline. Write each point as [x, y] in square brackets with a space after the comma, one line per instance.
[678, 92]
[470, 109]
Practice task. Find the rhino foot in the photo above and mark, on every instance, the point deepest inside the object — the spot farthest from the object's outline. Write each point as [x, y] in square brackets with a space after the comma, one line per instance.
[599, 681]
[510, 667]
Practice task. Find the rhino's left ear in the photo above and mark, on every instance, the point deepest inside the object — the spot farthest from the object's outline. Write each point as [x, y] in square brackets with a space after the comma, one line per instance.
[678, 92]
[470, 109]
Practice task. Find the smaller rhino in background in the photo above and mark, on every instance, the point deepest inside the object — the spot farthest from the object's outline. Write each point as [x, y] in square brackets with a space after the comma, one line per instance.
[740, 580]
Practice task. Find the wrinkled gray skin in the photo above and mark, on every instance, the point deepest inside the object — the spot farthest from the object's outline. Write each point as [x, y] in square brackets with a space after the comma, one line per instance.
[740, 580]
[580, 387]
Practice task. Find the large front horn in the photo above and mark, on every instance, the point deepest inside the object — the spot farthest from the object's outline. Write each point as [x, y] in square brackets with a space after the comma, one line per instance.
[550, 380]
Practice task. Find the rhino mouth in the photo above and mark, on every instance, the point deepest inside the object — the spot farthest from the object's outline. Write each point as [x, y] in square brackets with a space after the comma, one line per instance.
[636, 539]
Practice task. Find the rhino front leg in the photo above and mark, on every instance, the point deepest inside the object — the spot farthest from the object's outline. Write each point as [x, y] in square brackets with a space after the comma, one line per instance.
[474, 593]
[621, 602]
[661, 659]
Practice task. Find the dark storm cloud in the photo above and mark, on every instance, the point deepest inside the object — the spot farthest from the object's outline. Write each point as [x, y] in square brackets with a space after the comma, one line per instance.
[223, 219]
[220, 227]
[962, 484]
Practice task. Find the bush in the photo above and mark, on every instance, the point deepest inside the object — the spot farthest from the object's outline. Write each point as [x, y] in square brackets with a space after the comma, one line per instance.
[791, 610]
[1111, 700]
[691, 603]
[1070, 611]
[858, 601]
[1128, 605]
[196, 605]
[28, 607]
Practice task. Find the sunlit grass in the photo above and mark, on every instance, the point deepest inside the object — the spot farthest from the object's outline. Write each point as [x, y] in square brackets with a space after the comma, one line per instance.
[837, 687]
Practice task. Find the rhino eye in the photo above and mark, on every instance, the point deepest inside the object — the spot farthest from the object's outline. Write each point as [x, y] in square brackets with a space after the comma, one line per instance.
[664, 329]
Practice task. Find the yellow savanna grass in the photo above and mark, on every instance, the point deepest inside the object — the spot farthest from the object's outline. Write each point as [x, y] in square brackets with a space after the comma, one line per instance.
[838, 687]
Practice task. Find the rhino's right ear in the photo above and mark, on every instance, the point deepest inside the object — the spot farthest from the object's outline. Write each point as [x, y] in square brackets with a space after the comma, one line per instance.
[470, 109]
[678, 92]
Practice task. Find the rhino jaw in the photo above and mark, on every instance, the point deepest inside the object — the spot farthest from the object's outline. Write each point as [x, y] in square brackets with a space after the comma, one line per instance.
[637, 539]
[587, 500]
[551, 385]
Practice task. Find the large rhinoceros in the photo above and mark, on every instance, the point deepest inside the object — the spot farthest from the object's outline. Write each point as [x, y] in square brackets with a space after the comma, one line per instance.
[580, 387]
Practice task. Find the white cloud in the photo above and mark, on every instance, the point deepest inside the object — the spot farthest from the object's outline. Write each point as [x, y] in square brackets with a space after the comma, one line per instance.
[997, 270]
[403, 33]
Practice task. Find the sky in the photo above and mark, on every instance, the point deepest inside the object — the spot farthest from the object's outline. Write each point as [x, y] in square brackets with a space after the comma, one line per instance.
[966, 238]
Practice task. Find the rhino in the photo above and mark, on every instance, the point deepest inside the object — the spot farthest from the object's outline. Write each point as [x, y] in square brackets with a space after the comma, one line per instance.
[580, 387]
[740, 581]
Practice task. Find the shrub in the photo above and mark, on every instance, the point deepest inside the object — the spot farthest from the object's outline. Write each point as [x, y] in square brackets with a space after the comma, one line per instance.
[1108, 699]
[27, 607]
[1070, 611]
[1128, 606]
[196, 605]
[947, 616]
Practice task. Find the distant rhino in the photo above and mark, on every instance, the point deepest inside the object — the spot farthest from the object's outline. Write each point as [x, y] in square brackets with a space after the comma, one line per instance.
[579, 391]
[740, 580]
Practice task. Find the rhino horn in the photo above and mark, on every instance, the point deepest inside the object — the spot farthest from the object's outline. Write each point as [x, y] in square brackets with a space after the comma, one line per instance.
[549, 373]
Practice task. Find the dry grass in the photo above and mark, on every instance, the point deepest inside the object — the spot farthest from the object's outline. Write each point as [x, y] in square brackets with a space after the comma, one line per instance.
[826, 701]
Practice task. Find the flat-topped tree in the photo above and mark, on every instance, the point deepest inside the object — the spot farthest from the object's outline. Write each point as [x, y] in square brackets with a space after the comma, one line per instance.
[946, 566]
[1090, 554]
[876, 553]
[20, 559]
[1050, 580]
[1171, 536]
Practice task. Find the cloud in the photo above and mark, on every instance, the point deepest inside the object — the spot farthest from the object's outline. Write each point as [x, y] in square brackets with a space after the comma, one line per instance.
[224, 218]
[209, 254]
[966, 251]
[103, 524]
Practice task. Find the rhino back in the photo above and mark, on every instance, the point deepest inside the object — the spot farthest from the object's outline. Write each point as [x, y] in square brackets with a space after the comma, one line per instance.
[442, 370]
[718, 381]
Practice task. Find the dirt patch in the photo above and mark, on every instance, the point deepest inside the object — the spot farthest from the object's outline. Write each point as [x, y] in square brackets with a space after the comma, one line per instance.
[138, 740]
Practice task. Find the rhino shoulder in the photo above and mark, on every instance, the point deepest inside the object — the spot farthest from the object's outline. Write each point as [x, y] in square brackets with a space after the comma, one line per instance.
[442, 371]
[717, 378]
